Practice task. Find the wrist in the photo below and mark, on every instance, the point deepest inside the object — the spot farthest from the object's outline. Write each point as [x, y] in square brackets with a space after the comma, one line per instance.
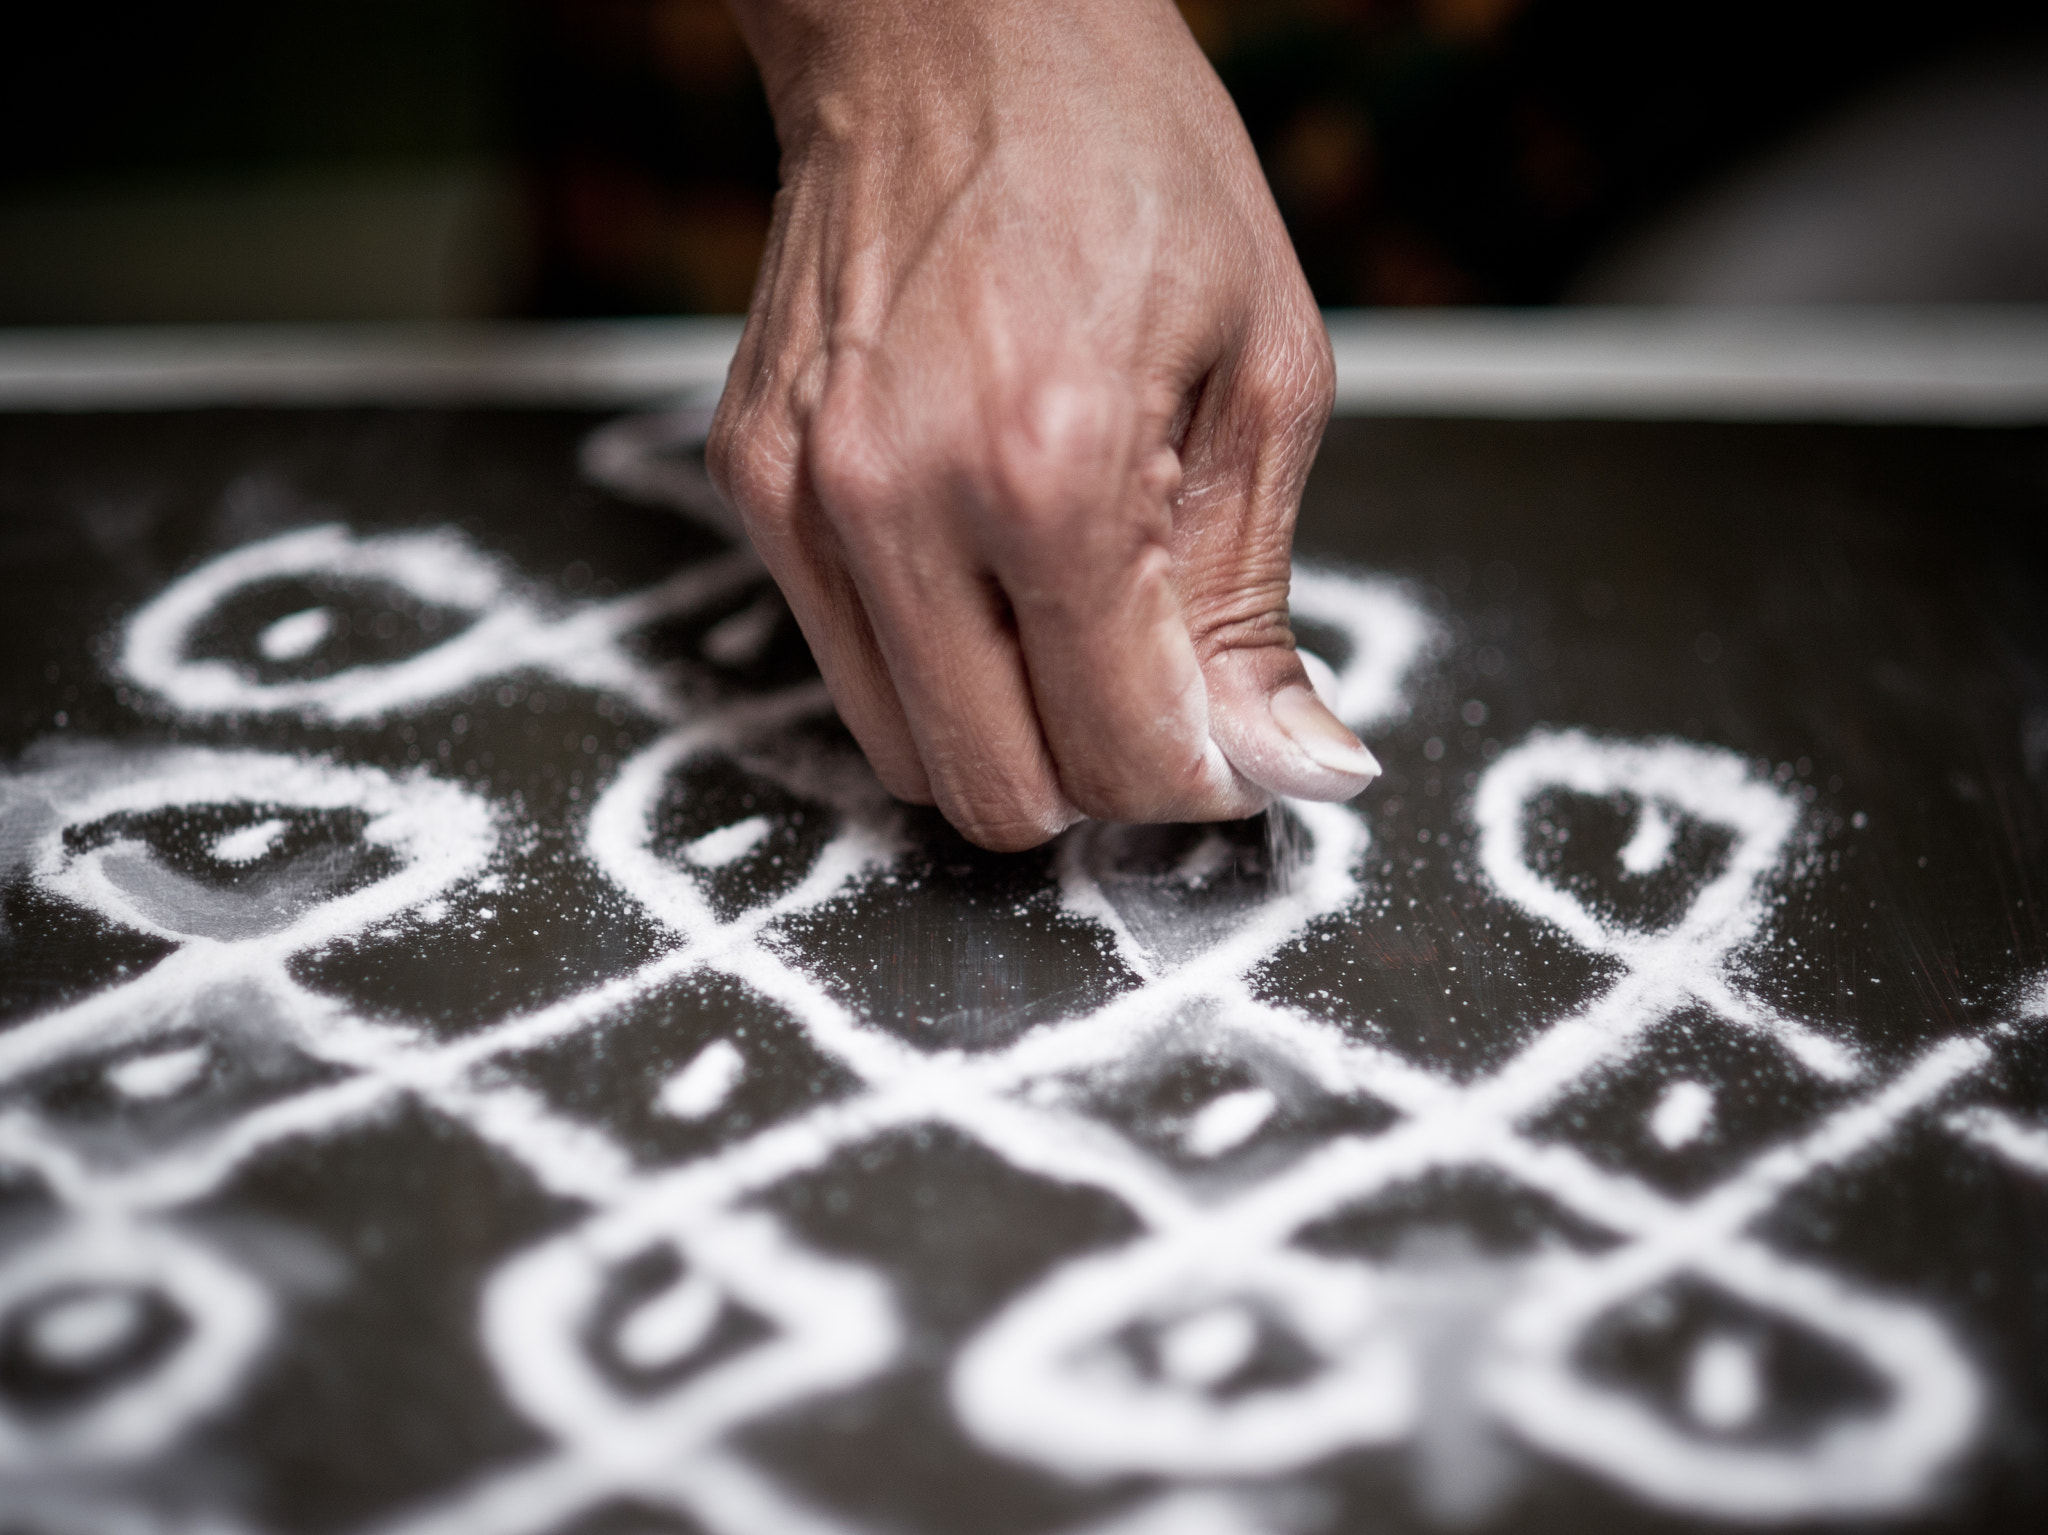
[843, 67]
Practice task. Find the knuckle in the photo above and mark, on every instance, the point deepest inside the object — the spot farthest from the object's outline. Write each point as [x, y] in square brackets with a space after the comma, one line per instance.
[723, 450]
[1056, 451]
[1234, 595]
[750, 466]
[850, 467]
[1252, 617]
[1322, 374]
[1294, 390]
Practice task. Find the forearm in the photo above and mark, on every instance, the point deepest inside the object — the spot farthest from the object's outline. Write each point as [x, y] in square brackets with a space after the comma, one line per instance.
[896, 56]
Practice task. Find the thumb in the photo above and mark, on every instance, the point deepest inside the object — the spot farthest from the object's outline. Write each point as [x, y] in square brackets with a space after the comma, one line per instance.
[1251, 461]
[1266, 718]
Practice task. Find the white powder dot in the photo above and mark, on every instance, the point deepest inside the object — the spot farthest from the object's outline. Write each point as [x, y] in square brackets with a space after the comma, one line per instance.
[741, 638]
[296, 635]
[82, 1329]
[1204, 860]
[669, 1325]
[1227, 1122]
[1683, 1114]
[1724, 1389]
[729, 844]
[700, 1087]
[1208, 1347]
[1646, 851]
[162, 1075]
[249, 843]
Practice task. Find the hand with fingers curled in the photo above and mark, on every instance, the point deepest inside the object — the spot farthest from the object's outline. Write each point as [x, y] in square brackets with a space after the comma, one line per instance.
[1023, 410]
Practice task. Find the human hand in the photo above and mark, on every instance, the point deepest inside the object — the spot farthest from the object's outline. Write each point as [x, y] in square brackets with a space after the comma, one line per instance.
[1022, 413]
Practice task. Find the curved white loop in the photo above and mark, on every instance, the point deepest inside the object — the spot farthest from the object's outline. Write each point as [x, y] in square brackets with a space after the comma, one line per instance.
[1869, 1460]
[622, 828]
[1387, 630]
[507, 630]
[833, 1325]
[222, 1318]
[1707, 783]
[1172, 921]
[438, 567]
[439, 832]
[1054, 1379]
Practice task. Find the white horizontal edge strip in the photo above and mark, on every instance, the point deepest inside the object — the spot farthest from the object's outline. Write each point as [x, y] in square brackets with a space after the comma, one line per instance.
[1981, 365]
[507, 363]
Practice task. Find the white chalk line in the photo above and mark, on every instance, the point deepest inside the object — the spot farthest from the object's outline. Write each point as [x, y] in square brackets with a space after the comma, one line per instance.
[509, 632]
[2022, 1144]
[1475, 1127]
[670, 1448]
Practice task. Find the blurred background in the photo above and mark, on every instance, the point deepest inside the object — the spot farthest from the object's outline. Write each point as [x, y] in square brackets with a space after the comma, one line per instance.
[429, 159]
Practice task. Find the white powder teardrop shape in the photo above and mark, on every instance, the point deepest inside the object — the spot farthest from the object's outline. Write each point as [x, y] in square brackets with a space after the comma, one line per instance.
[296, 635]
[702, 1087]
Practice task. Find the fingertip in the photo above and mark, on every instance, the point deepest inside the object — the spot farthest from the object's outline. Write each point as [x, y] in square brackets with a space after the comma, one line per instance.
[1017, 832]
[868, 706]
[911, 786]
[1320, 736]
[1284, 738]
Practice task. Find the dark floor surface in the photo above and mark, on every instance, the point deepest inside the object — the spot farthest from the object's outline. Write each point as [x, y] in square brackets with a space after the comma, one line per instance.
[482, 1055]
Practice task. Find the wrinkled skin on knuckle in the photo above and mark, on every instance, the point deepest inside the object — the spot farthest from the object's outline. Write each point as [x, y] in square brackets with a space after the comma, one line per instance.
[854, 473]
[1053, 453]
[1250, 615]
[753, 461]
[999, 791]
[1318, 370]
[727, 454]
[1291, 391]
[1231, 576]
